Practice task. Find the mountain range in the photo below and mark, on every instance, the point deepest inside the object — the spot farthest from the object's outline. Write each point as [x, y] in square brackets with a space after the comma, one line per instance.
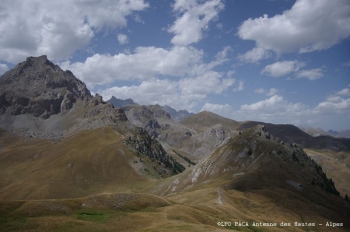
[70, 161]
[319, 132]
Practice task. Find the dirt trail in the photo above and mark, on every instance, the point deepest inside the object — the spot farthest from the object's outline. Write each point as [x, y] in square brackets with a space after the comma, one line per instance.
[219, 197]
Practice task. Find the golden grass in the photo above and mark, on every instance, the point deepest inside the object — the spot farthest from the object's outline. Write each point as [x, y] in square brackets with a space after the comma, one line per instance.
[336, 165]
[90, 162]
[96, 189]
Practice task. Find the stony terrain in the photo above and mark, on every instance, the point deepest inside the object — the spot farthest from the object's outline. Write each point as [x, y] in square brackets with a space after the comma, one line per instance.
[177, 116]
[119, 103]
[40, 88]
[40, 100]
[248, 153]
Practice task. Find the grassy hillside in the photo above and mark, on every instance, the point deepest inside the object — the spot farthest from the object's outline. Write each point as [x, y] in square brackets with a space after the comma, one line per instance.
[250, 179]
[336, 165]
[205, 119]
[89, 162]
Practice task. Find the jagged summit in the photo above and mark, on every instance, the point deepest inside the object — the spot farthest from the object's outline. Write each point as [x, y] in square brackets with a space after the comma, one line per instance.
[39, 99]
[121, 103]
[177, 116]
[38, 87]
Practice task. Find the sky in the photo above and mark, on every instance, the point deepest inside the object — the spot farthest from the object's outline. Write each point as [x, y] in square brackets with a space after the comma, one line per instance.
[277, 61]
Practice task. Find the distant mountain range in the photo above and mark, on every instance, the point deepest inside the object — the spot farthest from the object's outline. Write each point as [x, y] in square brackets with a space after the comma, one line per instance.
[78, 163]
[175, 115]
[319, 132]
[119, 103]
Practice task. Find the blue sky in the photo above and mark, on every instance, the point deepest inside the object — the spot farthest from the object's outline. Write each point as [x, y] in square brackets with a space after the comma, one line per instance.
[272, 61]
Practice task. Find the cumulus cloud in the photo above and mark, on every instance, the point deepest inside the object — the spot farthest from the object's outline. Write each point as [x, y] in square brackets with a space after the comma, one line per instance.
[265, 105]
[144, 63]
[260, 90]
[219, 26]
[148, 92]
[57, 28]
[334, 105]
[182, 94]
[282, 68]
[192, 80]
[239, 87]
[137, 18]
[147, 62]
[230, 73]
[300, 29]
[3, 68]
[312, 74]
[345, 92]
[204, 84]
[276, 109]
[122, 39]
[272, 92]
[222, 55]
[254, 55]
[194, 20]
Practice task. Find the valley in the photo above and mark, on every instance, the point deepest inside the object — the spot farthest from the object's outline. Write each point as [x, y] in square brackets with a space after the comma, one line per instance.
[70, 161]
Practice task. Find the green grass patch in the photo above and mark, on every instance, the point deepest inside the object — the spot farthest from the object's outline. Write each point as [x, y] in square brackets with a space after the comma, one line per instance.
[93, 216]
[10, 223]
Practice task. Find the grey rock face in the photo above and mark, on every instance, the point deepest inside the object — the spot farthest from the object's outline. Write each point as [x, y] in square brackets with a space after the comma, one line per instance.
[40, 88]
[121, 103]
[177, 116]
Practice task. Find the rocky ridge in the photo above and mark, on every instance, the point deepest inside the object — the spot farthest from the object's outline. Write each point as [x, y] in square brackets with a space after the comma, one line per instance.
[38, 87]
[121, 103]
[40, 100]
[177, 116]
[256, 155]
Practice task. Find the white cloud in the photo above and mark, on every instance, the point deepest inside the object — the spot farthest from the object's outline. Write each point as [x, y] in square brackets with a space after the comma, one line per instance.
[194, 20]
[345, 92]
[144, 63]
[274, 110]
[334, 109]
[204, 84]
[230, 73]
[222, 55]
[148, 92]
[219, 26]
[334, 105]
[308, 26]
[137, 18]
[57, 28]
[122, 39]
[254, 55]
[182, 94]
[312, 74]
[240, 86]
[282, 68]
[148, 62]
[265, 105]
[260, 90]
[272, 92]
[3, 68]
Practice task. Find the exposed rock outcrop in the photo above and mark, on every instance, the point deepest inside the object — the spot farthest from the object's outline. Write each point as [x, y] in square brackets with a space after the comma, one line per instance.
[40, 88]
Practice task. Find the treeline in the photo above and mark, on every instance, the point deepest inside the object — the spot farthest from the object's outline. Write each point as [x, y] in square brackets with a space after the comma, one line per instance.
[185, 158]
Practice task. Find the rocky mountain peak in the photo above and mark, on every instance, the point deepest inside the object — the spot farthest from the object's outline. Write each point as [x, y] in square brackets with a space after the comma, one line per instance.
[177, 116]
[121, 103]
[37, 86]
